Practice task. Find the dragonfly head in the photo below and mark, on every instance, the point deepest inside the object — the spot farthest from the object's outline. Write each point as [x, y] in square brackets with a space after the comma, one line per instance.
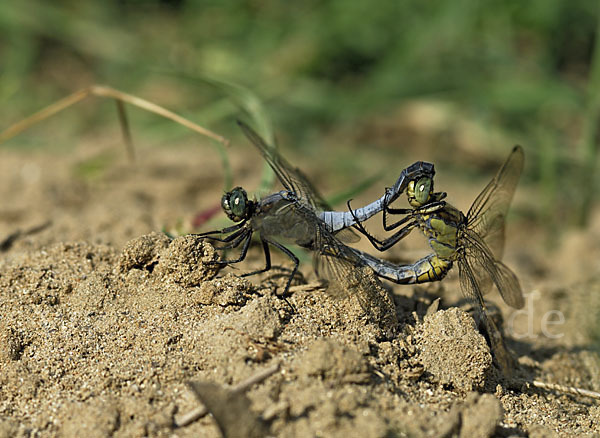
[236, 205]
[420, 191]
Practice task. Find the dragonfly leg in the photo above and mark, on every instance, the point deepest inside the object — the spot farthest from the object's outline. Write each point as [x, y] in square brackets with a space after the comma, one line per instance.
[223, 231]
[291, 255]
[267, 267]
[233, 239]
[411, 212]
[432, 207]
[243, 252]
[402, 221]
[382, 245]
[234, 242]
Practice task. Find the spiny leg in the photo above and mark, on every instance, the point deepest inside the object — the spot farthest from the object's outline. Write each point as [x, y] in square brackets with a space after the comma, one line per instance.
[386, 210]
[429, 208]
[232, 241]
[223, 231]
[291, 255]
[382, 245]
[432, 207]
[267, 252]
[398, 236]
[412, 213]
[248, 236]
[267, 267]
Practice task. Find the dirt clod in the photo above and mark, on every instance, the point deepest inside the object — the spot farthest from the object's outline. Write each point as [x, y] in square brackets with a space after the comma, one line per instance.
[186, 261]
[143, 252]
[480, 416]
[453, 351]
[227, 291]
[330, 359]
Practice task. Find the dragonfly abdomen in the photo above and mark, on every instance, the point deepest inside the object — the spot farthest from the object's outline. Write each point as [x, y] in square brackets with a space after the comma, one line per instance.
[430, 268]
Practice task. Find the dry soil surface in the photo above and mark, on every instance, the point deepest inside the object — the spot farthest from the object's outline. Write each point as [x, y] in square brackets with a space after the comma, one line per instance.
[105, 321]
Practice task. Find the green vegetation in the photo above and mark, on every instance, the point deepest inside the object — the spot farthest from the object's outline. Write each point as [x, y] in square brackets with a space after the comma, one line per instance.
[518, 72]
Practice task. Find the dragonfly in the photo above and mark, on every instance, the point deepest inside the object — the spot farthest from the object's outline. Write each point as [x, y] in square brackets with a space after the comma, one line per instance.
[475, 242]
[298, 215]
[339, 220]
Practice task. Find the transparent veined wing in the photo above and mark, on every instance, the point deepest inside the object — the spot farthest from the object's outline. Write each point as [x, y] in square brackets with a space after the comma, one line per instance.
[291, 177]
[294, 180]
[345, 270]
[470, 288]
[487, 270]
[487, 215]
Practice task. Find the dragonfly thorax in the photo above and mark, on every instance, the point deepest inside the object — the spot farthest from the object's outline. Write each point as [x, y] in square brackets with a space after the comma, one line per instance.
[443, 229]
[236, 205]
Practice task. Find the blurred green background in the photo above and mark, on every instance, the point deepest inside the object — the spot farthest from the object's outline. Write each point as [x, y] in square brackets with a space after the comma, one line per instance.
[449, 82]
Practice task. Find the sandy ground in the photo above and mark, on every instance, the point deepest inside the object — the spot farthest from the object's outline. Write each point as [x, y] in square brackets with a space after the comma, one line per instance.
[104, 321]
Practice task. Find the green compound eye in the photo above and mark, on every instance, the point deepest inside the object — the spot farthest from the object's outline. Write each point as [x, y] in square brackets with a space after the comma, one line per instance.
[238, 202]
[235, 204]
[423, 190]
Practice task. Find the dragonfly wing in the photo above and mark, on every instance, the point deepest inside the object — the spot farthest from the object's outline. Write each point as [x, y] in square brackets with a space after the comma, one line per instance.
[333, 260]
[471, 289]
[343, 268]
[487, 214]
[291, 177]
[347, 235]
[330, 264]
[508, 286]
[487, 270]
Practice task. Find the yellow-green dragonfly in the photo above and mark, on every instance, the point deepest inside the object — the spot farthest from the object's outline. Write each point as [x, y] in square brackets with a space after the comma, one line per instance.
[474, 241]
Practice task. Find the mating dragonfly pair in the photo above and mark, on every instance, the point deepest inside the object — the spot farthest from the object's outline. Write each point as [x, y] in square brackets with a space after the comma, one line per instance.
[299, 215]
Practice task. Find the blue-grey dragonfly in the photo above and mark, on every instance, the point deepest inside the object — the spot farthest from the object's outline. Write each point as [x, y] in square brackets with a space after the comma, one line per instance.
[299, 215]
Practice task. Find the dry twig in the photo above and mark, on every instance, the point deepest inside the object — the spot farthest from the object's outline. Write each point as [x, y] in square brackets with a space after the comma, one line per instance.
[241, 387]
